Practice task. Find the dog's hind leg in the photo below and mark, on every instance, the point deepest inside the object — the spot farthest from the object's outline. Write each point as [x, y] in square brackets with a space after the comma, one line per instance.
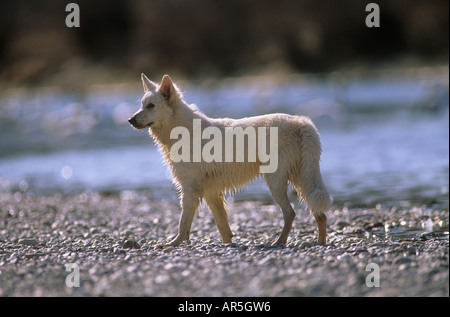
[217, 205]
[278, 186]
[319, 201]
[312, 190]
[307, 179]
[189, 205]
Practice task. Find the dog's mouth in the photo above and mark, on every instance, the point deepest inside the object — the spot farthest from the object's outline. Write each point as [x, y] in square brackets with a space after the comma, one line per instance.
[135, 124]
[148, 125]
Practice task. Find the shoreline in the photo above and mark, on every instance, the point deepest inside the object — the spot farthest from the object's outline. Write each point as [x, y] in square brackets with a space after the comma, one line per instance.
[112, 238]
[91, 78]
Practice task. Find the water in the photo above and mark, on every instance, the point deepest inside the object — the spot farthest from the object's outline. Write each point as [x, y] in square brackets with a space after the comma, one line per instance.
[385, 139]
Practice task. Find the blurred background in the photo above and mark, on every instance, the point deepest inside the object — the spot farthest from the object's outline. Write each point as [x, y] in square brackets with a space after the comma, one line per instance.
[204, 38]
[379, 96]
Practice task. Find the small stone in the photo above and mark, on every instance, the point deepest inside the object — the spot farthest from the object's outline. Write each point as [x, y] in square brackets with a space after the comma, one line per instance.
[30, 242]
[404, 266]
[342, 224]
[32, 255]
[304, 245]
[401, 260]
[428, 235]
[168, 249]
[119, 251]
[93, 231]
[352, 230]
[411, 250]
[243, 247]
[131, 244]
[371, 225]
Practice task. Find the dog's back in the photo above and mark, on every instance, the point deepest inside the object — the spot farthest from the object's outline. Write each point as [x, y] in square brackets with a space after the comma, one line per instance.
[298, 157]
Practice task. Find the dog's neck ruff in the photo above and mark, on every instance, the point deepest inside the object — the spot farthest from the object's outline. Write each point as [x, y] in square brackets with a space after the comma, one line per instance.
[183, 115]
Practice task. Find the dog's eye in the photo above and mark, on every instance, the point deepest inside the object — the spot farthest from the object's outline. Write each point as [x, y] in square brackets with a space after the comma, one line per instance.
[150, 106]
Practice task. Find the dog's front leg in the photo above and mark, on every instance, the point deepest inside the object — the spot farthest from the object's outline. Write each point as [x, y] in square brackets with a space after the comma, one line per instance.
[216, 204]
[189, 205]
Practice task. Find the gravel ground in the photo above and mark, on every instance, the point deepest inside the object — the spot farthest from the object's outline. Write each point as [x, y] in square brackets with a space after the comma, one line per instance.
[112, 240]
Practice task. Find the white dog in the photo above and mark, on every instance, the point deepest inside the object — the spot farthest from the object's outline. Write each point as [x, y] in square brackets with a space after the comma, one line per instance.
[209, 165]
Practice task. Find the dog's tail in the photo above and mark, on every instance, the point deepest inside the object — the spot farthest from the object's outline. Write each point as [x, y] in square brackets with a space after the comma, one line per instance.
[308, 180]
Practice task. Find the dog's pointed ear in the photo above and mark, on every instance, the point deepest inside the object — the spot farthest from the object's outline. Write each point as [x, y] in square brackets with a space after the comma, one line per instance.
[147, 83]
[167, 88]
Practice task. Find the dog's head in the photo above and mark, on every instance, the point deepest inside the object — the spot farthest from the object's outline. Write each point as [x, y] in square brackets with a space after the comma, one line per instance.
[157, 104]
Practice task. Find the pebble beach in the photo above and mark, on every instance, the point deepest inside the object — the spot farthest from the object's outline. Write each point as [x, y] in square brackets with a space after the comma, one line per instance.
[87, 203]
[112, 242]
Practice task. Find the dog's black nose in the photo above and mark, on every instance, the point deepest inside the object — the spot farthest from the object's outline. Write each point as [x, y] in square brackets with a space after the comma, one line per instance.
[132, 121]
